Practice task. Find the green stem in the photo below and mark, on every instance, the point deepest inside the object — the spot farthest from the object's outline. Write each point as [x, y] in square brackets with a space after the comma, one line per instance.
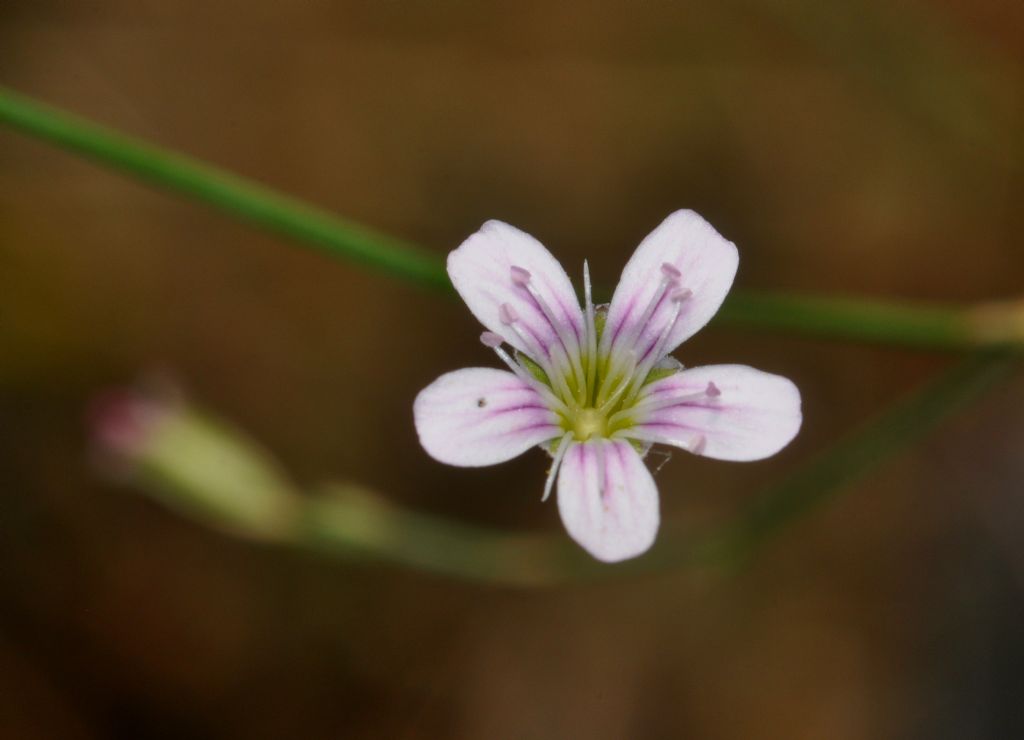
[356, 525]
[246, 199]
[864, 320]
[429, 544]
[892, 431]
[182, 464]
[858, 320]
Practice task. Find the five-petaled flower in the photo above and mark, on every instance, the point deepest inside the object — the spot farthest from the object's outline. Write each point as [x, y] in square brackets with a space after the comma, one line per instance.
[595, 387]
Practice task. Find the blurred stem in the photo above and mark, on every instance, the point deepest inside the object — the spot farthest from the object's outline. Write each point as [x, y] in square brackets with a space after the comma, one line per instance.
[368, 526]
[836, 318]
[895, 429]
[986, 325]
[246, 199]
[357, 525]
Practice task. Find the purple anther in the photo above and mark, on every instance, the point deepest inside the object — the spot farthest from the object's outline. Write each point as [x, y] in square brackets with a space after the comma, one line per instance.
[492, 340]
[507, 314]
[681, 294]
[671, 272]
[520, 276]
[712, 390]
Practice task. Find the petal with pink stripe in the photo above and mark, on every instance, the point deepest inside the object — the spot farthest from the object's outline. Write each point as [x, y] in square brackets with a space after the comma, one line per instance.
[481, 416]
[608, 499]
[686, 247]
[728, 412]
[505, 274]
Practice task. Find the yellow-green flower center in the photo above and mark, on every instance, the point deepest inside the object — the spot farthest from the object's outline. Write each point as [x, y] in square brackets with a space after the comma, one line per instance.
[587, 423]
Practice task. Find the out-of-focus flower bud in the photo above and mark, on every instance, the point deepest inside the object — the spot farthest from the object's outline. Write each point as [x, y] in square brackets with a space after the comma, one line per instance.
[195, 464]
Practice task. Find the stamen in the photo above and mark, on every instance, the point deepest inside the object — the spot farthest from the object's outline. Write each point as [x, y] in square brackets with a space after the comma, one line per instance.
[556, 463]
[626, 381]
[659, 402]
[539, 354]
[553, 402]
[670, 287]
[520, 276]
[591, 330]
[656, 351]
[507, 314]
[510, 318]
[492, 340]
[588, 298]
[697, 446]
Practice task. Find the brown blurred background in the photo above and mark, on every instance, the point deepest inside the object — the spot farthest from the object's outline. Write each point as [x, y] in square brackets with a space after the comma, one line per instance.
[857, 147]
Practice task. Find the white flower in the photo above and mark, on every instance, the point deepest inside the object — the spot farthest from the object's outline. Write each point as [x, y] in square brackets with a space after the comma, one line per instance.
[595, 387]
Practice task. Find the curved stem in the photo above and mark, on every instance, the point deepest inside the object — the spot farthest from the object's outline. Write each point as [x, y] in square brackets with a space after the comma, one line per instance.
[244, 198]
[860, 319]
[431, 544]
[905, 422]
[934, 327]
[179, 461]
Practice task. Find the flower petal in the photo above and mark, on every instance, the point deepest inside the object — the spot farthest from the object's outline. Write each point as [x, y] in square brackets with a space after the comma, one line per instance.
[706, 264]
[748, 414]
[481, 416]
[608, 499]
[481, 270]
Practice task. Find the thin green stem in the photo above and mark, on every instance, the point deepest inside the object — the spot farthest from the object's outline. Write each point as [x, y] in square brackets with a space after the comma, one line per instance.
[181, 464]
[356, 525]
[864, 320]
[246, 199]
[434, 545]
[893, 430]
[948, 328]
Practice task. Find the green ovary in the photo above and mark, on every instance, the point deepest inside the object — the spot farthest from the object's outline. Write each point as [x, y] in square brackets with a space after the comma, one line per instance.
[587, 423]
[594, 420]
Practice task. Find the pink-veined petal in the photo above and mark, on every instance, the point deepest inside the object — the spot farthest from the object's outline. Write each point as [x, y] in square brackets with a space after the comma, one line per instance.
[608, 499]
[748, 414]
[481, 416]
[706, 263]
[481, 270]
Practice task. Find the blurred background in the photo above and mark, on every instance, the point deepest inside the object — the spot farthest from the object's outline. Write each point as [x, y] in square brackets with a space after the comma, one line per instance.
[860, 147]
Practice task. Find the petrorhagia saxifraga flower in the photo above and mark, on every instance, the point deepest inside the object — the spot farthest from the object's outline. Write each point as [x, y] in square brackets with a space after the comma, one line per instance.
[595, 387]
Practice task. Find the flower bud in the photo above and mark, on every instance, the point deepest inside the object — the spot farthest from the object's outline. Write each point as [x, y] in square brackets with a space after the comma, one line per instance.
[197, 465]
